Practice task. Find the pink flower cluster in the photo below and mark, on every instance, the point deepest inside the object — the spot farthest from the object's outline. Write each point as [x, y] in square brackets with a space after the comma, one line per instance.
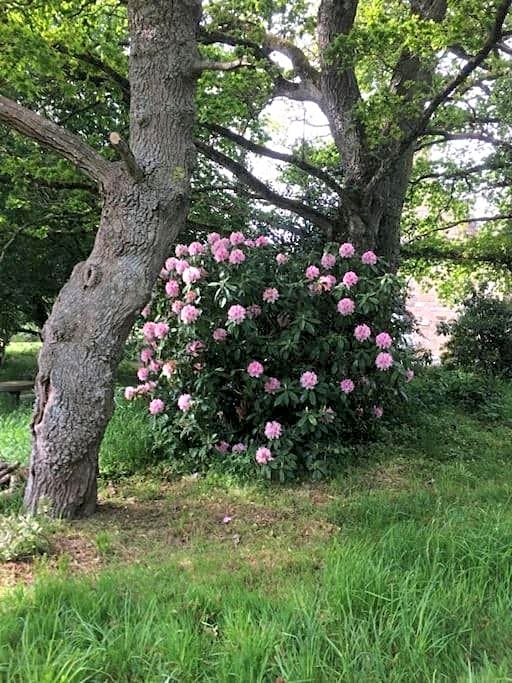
[270, 295]
[273, 430]
[237, 314]
[308, 380]
[255, 369]
[362, 333]
[263, 455]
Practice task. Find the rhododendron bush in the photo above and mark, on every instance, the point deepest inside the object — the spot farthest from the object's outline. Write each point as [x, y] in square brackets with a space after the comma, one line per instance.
[253, 354]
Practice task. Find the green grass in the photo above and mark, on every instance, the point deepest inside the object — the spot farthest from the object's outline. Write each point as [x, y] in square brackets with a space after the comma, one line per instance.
[127, 441]
[20, 361]
[399, 570]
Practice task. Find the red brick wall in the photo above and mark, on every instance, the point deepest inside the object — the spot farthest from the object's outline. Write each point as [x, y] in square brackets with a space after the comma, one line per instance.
[428, 310]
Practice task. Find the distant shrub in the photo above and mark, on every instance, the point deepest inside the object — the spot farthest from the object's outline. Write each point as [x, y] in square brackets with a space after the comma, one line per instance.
[474, 392]
[257, 357]
[480, 339]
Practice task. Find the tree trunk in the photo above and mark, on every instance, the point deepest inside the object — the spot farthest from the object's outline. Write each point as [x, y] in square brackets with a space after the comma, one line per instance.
[94, 312]
[370, 213]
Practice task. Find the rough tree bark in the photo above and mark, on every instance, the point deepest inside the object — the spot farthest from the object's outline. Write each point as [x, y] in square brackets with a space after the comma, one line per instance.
[145, 201]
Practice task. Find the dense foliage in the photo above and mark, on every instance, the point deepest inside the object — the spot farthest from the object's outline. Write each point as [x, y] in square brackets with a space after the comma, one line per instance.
[479, 339]
[283, 357]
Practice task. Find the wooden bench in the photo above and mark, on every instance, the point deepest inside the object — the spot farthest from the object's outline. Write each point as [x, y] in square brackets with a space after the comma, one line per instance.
[15, 387]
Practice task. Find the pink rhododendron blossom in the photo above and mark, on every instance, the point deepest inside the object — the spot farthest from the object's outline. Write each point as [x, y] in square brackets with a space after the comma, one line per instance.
[170, 264]
[168, 369]
[220, 334]
[130, 393]
[261, 241]
[383, 340]
[181, 266]
[163, 274]
[148, 330]
[346, 306]
[161, 330]
[185, 402]
[194, 347]
[282, 259]
[308, 380]
[196, 249]
[189, 314]
[143, 374]
[236, 314]
[253, 311]
[155, 366]
[146, 311]
[221, 242]
[236, 257]
[347, 250]
[222, 447]
[350, 279]
[347, 386]
[190, 297]
[409, 375]
[239, 448]
[172, 288]
[384, 361]
[263, 455]
[326, 282]
[191, 275]
[181, 250]
[273, 430]
[362, 333]
[177, 307]
[369, 258]
[272, 385]
[328, 261]
[236, 238]
[270, 295]
[156, 406]
[249, 243]
[221, 254]
[213, 237]
[146, 354]
[312, 272]
[255, 369]
[378, 411]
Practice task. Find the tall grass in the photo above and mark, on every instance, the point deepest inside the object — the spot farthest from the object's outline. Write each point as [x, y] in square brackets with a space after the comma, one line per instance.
[417, 602]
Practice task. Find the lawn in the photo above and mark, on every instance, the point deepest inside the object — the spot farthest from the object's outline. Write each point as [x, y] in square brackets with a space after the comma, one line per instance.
[400, 569]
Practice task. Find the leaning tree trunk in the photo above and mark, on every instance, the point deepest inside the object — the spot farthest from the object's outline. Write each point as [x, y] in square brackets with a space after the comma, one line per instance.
[141, 216]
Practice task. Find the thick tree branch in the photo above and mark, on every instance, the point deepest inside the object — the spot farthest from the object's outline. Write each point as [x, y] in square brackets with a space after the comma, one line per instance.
[466, 221]
[256, 148]
[300, 62]
[451, 253]
[491, 165]
[58, 139]
[319, 219]
[206, 65]
[494, 36]
[305, 91]
[126, 155]
[339, 86]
